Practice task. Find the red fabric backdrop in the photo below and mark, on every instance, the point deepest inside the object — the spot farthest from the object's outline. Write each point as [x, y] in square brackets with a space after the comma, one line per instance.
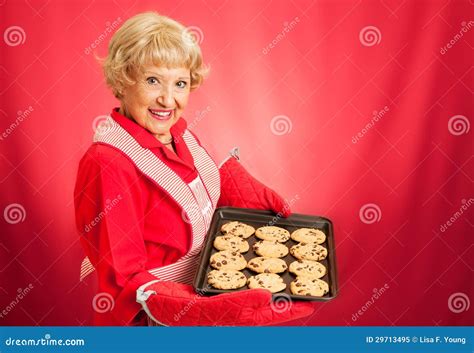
[357, 111]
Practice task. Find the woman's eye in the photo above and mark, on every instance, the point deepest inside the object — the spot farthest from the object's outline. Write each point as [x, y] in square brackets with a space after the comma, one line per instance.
[182, 84]
[152, 80]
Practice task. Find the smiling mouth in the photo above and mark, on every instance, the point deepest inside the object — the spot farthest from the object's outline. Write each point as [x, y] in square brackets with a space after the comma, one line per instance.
[161, 114]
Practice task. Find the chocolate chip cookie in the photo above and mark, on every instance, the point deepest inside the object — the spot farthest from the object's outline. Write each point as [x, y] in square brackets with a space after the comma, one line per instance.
[309, 251]
[238, 229]
[272, 233]
[226, 279]
[267, 265]
[270, 248]
[270, 281]
[231, 242]
[309, 286]
[309, 235]
[228, 260]
[307, 268]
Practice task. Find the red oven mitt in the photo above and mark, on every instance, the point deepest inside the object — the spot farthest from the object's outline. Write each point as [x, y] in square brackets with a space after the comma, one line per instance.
[240, 189]
[177, 304]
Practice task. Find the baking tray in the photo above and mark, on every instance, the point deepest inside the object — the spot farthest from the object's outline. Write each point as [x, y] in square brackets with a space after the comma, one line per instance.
[259, 218]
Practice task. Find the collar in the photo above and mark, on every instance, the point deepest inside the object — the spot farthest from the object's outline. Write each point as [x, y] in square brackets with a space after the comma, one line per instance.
[143, 136]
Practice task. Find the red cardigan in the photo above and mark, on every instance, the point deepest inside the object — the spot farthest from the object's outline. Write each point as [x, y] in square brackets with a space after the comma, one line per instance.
[127, 224]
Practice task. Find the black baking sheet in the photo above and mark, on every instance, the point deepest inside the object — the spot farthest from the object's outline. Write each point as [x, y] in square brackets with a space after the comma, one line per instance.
[259, 218]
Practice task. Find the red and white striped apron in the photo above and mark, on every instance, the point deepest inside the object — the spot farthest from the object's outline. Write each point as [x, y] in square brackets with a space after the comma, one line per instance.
[198, 199]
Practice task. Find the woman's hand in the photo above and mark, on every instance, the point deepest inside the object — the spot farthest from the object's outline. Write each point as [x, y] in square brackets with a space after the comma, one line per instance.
[176, 304]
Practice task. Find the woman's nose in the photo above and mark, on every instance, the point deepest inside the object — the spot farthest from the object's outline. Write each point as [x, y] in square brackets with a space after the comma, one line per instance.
[165, 97]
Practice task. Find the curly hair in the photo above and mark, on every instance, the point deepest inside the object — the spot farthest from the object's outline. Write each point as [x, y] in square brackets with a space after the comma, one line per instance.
[151, 38]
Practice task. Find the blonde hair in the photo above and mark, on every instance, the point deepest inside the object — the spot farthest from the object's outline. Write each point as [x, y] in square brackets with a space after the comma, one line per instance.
[150, 38]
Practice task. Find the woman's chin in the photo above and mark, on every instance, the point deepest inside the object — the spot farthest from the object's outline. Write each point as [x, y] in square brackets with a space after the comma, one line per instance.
[160, 128]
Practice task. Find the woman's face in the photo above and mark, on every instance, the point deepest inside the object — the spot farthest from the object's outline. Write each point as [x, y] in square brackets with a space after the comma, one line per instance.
[158, 98]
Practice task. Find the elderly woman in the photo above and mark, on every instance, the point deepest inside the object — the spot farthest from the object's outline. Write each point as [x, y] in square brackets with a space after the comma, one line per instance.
[146, 190]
